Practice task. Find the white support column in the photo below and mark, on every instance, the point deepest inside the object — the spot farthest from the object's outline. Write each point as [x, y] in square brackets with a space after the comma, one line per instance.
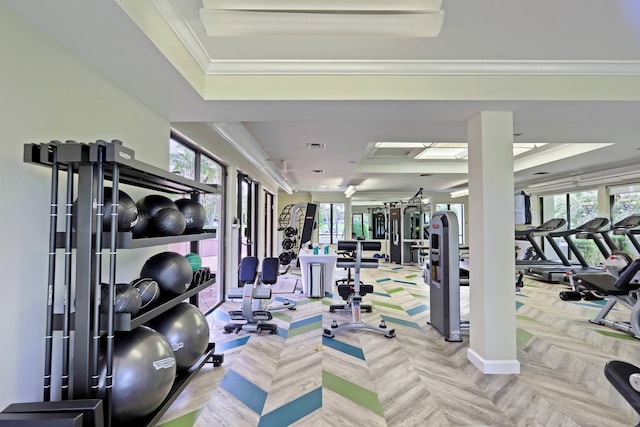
[492, 346]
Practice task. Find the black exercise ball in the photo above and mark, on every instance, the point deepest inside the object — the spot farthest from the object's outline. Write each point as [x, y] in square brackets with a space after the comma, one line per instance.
[167, 222]
[144, 369]
[194, 214]
[154, 202]
[140, 228]
[127, 211]
[187, 330]
[127, 299]
[148, 289]
[171, 270]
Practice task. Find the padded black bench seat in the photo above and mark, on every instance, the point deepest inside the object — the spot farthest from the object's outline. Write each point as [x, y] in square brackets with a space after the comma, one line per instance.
[618, 373]
[610, 285]
[601, 282]
[351, 263]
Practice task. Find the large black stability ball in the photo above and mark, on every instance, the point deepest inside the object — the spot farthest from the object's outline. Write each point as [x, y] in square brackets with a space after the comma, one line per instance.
[154, 202]
[167, 222]
[171, 270]
[144, 369]
[127, 299]
[187, 330]
[194, 213]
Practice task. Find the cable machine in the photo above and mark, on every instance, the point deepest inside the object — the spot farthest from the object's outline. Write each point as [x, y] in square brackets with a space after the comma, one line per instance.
[408, 230]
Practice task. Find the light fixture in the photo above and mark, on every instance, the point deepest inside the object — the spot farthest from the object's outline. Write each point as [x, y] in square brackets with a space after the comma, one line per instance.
[240, 138]
[607, 179]
[562, 182]
[397, 18]
[350, 191]
[459, 193]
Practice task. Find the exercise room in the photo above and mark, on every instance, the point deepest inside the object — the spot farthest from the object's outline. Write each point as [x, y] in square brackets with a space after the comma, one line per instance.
[408, 213]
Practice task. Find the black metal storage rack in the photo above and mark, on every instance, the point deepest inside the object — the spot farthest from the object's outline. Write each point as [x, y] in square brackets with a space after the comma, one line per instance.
[90, 163]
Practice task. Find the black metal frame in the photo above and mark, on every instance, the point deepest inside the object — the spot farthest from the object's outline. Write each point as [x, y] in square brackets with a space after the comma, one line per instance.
[92, 164]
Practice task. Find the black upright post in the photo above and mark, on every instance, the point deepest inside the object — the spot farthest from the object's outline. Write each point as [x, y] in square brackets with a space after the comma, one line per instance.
[66, 328]
[95, 350]
[85, 292]
[53, 228]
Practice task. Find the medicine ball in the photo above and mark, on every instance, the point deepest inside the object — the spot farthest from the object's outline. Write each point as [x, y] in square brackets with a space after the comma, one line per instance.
[167, 222]
[144, 369]
[171, 270]
[187, 330]
[195, 260]
[127, 211]
[154, 202]
[148, 289]
[140, 228]
[194, 213]
[127, 299]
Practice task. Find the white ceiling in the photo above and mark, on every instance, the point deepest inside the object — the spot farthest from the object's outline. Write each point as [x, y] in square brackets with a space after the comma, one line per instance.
[500, 37]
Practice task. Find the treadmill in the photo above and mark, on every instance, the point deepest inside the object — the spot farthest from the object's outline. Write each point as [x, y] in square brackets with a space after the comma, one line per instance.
[629, 226]
[592, 229]
[539, 258]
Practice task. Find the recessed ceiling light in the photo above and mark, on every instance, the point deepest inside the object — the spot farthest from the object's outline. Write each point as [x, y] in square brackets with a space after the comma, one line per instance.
[316, 146]
[317, 170]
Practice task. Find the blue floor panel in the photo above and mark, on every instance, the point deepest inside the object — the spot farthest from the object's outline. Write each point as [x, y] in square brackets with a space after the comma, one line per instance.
[343, 347]
[419, 309]
[244, 390]
[400, 322]
[293, 411]
[228, 345]
[305, 322]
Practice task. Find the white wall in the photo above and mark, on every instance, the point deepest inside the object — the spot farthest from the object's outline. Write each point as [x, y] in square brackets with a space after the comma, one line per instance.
[47, 93]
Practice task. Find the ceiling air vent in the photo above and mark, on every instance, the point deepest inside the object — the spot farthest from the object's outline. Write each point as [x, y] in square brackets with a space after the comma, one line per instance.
[316, 146]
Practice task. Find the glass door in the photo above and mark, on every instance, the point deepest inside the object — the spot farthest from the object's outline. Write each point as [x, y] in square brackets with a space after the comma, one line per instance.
[247, 197]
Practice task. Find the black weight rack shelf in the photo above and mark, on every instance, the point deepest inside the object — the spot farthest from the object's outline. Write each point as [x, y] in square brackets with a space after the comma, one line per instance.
[132, 172]
[128, 322]
[89, 166]
[125, 240]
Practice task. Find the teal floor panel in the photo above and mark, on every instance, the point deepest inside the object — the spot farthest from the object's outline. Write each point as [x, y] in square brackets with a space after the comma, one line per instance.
[244, 390]
[293, 411]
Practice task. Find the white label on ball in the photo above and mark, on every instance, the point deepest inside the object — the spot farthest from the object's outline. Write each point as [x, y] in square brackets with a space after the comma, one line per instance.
[177, 346]
[165, 363]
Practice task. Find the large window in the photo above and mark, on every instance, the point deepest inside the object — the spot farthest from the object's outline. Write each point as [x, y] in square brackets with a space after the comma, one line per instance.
[624, 203]
[577, 208]
[360, 226]
[190, 162]
[247, 215]
[331, 222]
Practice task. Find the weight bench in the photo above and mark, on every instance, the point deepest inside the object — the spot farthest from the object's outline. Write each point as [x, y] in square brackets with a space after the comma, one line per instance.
[345, 260]
[353, 293]
[269, 276]
[625, 378]
[254, 320]
[622, 289]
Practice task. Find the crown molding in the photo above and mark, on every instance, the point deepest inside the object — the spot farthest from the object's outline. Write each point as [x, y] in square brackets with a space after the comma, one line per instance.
[211, 67]
[425, 67]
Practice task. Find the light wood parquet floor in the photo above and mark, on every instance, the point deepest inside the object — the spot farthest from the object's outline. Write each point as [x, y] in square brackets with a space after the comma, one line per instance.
[360, 377]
